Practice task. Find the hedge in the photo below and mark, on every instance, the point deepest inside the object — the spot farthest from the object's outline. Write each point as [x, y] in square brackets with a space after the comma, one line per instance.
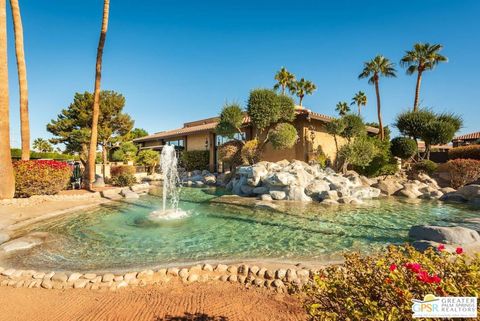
[195, 159]
[465, 152]
[17, 154]
[40, 177]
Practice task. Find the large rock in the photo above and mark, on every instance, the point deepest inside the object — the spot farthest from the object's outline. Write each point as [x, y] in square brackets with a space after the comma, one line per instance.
[388, 187]
[441, 234]
[280, 179]
[25, 242]
[469, 192]
[297, 193]
[453, 197]
[278, 195]
[210, 179]
[365, 192]
[410, 190]
[260, 190]
[315, 188]
[257, 173]
[129, 194]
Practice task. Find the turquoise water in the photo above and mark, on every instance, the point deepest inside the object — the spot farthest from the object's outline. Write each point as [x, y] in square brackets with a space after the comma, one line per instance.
[119, 235]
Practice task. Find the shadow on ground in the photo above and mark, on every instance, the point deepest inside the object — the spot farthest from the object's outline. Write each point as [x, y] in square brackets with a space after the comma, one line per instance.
[191, 317]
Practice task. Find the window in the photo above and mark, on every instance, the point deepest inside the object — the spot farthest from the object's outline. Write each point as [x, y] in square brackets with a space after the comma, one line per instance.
[223, 139]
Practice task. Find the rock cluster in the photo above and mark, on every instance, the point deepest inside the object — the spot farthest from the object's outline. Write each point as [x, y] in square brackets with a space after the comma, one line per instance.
[465, 194]
[126, 192]
[244, 274]
[198, 178]
[299, 181]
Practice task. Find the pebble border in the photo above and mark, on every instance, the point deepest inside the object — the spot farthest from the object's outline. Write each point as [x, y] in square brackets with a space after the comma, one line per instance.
[279, 280]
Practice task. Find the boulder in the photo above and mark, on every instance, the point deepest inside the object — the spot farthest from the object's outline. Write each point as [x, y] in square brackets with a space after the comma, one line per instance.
[365, 192]
[423, 245]
[388, 187]
[246, 190]
[315, 188]
[113, 193]
[278, 195]
[25, 242]
[266, 197]
[99, 182]
[128, 194]
[260, 190]
[329, 195]
[447, 190]
[210, 179]
[257, 174]
[297, 193]
[441, 234]
[470, 192]
[280, 179]
[453, 197]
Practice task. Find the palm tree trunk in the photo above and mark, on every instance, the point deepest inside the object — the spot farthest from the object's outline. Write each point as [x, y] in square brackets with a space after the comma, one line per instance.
[22, 79]
[104, 160]
[300, 101]
[96, 96]
[379, 111]
[358, 110]
[417, 91]
[283, 89]
[7, 185]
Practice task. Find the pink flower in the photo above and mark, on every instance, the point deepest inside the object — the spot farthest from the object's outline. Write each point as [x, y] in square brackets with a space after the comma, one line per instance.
[393, 267]
[459, 250]
[441, 247]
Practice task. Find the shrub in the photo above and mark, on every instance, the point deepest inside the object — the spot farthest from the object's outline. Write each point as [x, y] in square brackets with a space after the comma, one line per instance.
[40, 177]
[467, 152]
[381, 287]
[462, 171]
[283, 136]
[359, 152]
[127, 152]
[425, 166]
[354, 126]
[382, 162]
[319, 157]
[251, 151]
[122, 175]
[148, 158]
[403, 147]
[195, 159]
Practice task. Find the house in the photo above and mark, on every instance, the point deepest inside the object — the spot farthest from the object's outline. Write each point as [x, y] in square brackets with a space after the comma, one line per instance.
[467, 139]
[200, 135]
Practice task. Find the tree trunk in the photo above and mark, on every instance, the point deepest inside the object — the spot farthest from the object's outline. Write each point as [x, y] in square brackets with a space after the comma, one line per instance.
[22, 79]
[417, 90]
[379, 111]
[301, 99]
[358, 110]
[7, 184]
[283, 89]
[96, 97]
[104, 160]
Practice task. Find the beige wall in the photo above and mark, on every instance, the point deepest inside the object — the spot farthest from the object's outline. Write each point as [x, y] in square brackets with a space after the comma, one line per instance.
[325, 141]
[196, 141]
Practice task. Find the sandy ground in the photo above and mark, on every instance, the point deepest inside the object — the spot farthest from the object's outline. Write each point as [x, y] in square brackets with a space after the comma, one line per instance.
[215, 301]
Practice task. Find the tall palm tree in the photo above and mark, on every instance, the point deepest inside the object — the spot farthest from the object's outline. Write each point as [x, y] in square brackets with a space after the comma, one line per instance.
[301, 88]
[360, 99]
[373, 70]
[342, 108]
[22, 79]
[7, 185]
[423, 57]
[284, 79]
[96, 96]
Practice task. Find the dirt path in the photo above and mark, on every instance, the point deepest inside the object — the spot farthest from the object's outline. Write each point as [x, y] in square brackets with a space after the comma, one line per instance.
[214, 301]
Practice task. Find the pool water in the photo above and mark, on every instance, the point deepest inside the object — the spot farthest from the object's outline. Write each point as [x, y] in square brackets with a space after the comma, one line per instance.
[119, 235]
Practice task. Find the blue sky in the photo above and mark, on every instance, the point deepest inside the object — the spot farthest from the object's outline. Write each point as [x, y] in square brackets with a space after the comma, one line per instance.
[178, 61]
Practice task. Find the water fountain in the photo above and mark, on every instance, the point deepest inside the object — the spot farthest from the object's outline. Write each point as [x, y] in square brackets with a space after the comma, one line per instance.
[171, 189]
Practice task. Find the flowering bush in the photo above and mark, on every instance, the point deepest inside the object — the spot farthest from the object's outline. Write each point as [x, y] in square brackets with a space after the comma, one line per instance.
[381, 287]
[40, 177]
[462, 171]
[123, 175]
[471, 152]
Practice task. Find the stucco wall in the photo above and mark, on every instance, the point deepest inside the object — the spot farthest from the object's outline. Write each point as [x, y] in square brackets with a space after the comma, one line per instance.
[196, 141]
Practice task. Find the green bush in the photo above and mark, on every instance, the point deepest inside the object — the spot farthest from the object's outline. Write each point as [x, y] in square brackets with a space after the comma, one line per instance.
[382, 162]
[122, 175]
[148, 158]
[425, 166]
[195, 159]
[462, 171]
[283, 136]
[466, 152]
[17, 154]
[40, 177]
[382, 286]
[403, 147]
[126, 153]
[251, 152]
[359, 152]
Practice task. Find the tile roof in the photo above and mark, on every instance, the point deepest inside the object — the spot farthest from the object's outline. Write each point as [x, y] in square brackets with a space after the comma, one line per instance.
[468, 136]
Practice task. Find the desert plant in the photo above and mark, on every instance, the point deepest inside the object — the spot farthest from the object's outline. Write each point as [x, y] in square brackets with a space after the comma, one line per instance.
[425, 166]
[382, 286]
[462, 171]
[251, 152]
[195, 159]
[283, 136]
[40, 177]
[471, 152]
[403, 147]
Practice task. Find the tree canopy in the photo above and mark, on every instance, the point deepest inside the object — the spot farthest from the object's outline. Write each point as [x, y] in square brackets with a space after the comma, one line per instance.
[42, 145]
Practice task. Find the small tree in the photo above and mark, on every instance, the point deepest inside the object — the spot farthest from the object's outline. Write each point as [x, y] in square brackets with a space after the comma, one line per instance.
[301, 88]
[283, 136]
[136, 133]
[354, 127]
[359, 152]
[231, 120]
[148, 158]
[126, 153]
[403, 147]
[42, 145]
[360, 99]
[284, 79]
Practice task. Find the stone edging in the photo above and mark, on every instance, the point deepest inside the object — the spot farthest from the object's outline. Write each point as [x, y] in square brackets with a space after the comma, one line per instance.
[279, 280]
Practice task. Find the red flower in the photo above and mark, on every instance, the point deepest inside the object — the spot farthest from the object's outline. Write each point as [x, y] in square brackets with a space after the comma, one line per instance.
[459, 250]
[441, 247]
[424, 277]
[393, 267]
[414, 267]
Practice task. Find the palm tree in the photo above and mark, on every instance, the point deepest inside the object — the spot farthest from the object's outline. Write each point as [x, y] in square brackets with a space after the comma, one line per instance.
[22, 79]
[373, 70]
[42, 145]
[360, 99]
[96, 96]
[301, 88]
[423, 57]
[7, 185]
[342, 108]
[284, 79]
